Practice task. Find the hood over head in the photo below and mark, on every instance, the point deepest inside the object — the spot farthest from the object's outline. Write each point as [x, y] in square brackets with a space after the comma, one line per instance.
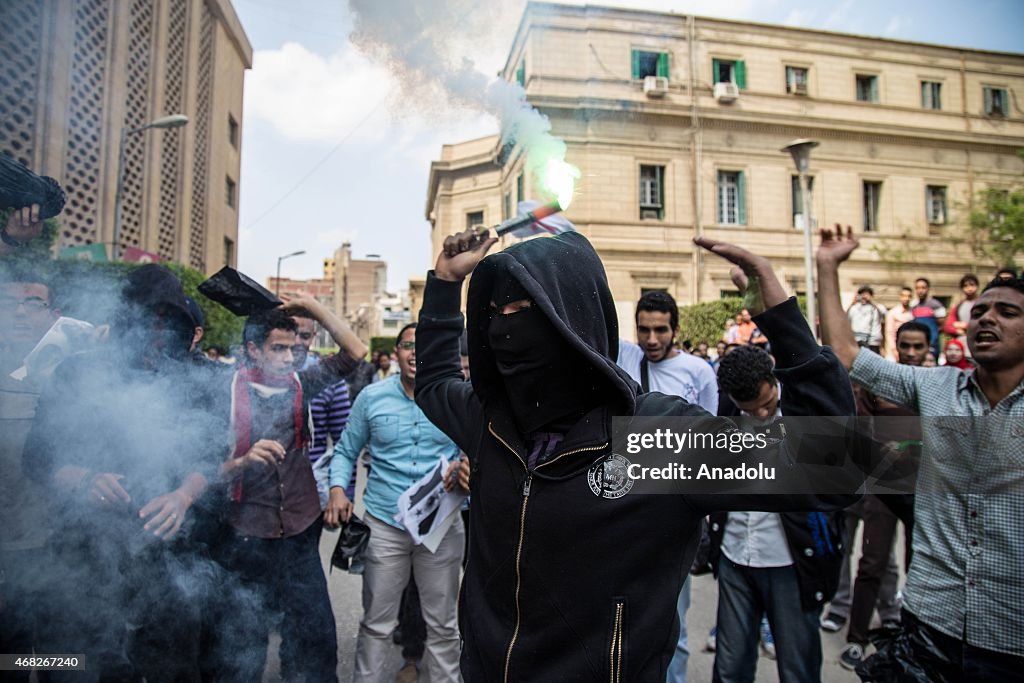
[154, 317]
[565, 279]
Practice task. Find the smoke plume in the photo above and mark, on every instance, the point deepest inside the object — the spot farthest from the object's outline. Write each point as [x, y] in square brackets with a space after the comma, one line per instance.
[417, 41]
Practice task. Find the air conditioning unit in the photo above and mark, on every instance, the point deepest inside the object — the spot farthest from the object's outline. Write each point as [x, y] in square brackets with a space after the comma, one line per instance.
[655, 86]
[726, 92]
[799, 88]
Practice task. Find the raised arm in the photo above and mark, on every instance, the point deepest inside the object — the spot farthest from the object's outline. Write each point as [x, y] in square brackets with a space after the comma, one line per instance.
[335, 326]
[441, 392]
[835, 325]
[813, 382]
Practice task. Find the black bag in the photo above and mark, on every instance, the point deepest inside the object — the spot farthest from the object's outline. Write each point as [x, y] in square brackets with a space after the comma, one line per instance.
[350, 552]
[238, 292]
[20, 187]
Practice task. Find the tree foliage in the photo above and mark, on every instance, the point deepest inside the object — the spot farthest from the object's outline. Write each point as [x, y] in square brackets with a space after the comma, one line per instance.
[996, 223]
[89, 290]
[705, 322]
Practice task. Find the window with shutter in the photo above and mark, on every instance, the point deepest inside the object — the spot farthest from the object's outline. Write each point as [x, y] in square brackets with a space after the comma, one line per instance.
[931, 95]
[867, 88]
[935, 204]
[872, 198]
[996, 103]
[647, 63]
[652, 192]
[798, 200]
[731, 198]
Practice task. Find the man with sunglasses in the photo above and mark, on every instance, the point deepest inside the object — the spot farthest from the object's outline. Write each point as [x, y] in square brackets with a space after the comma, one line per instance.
[405, 446]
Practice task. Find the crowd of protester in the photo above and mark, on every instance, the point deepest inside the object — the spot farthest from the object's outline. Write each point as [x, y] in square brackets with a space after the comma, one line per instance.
[164, 507]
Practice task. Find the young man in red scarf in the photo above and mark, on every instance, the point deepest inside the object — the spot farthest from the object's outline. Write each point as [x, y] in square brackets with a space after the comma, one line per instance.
[274, 509]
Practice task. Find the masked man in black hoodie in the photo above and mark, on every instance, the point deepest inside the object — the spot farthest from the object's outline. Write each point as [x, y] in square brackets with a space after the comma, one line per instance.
[126, 441]
[563, 581]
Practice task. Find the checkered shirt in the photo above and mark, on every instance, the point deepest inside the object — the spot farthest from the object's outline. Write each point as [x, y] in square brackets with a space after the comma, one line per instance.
[967, 575]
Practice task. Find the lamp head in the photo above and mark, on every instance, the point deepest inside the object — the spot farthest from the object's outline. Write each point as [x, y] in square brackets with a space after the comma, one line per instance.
[801, 152]
[172, 121]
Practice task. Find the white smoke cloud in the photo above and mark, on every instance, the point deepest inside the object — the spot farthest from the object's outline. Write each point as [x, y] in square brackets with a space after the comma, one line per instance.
[307, 97]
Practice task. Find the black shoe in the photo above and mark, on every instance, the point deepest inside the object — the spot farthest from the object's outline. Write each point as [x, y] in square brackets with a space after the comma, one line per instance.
[851, 656]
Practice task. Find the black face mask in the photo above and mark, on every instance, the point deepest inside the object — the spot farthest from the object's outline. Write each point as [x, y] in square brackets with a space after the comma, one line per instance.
[548, 382]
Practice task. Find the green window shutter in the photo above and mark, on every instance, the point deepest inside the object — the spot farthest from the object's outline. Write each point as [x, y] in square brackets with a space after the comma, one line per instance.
[874, 89]
[988, 100]
[741, 74]
[715, 70]
[636, 64]
[945, 208]
[741, 198]
[521, 73]
[663, 64]
[519, 188]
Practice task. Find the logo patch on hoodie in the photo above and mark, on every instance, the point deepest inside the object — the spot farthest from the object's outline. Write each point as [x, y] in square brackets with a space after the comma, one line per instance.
[610, 477]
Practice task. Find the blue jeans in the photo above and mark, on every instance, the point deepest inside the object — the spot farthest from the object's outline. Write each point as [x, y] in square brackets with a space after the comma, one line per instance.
[744, 593]
[677, 667]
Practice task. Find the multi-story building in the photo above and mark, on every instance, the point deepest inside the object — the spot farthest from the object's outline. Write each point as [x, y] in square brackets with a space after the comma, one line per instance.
[676, 123]
[357, 282]
[76, 73]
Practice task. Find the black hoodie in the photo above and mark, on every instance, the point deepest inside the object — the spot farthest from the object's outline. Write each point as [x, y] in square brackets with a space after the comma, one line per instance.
[564, 584]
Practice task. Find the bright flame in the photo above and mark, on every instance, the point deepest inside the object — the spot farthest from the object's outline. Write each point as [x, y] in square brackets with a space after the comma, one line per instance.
[558, 177]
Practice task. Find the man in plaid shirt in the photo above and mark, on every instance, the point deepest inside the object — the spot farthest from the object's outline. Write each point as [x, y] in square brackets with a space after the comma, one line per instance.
[964, 598]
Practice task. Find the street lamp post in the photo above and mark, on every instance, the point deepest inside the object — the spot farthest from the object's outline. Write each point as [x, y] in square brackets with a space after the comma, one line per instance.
[172, 121]
[801, 152]
[277, 282]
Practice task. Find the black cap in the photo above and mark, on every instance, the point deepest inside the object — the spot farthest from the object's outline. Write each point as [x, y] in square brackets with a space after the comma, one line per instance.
[238, 292]
[197, 313]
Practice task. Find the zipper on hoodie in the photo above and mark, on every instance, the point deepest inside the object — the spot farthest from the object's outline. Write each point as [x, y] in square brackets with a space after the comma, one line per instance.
[615, 652]
[519, 554]
[522, 531]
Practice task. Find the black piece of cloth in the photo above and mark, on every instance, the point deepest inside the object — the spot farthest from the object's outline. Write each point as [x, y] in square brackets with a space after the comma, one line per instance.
[545, 381]
[918, 653]
[20, 187]
[238, 292]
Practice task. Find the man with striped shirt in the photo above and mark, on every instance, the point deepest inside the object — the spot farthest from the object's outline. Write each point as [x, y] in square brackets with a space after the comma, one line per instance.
[963, 618]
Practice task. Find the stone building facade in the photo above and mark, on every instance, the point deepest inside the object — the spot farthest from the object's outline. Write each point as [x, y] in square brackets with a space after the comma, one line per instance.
[75, 73]
[676, 123]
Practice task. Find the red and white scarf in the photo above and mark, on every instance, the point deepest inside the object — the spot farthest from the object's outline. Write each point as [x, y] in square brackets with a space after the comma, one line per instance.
[241, 410]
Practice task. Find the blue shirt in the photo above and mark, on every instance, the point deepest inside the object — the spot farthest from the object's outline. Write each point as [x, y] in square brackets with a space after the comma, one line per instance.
[403, 443]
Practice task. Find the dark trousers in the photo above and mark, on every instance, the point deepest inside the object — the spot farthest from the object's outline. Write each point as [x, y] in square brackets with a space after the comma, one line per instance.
[876, 545]
[24, 598]
[270, 581]
[744, 594]
[411, 626]
[130, 604]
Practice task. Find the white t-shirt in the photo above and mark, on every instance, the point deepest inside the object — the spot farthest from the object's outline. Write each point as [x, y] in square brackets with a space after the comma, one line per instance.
[682, 375]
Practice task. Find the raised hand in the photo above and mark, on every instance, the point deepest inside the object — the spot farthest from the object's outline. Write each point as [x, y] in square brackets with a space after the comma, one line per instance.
[834, 248]
[756, 278]
[462, 253]
[24, 225]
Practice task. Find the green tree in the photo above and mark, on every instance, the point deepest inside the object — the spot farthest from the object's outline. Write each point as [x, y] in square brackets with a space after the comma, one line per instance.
[996, 223]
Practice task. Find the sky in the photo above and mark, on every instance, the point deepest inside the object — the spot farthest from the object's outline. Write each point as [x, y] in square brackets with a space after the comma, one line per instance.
[337, 139]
